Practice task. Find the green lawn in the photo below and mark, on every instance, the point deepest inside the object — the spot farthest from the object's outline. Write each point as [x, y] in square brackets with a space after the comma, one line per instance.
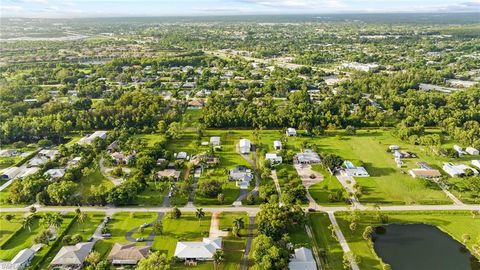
[119, 225]
[95, 179]
[454, 223]
[322, 190]
[233, 246]
[9, 227]
[6, 162]
[327, 245]
[151, 196]
[187, 228]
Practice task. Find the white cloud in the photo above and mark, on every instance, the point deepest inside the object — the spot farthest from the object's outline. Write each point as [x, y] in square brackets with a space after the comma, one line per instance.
[299, 4]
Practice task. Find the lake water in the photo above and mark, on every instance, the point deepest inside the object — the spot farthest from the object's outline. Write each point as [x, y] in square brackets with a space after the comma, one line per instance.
[419, 246]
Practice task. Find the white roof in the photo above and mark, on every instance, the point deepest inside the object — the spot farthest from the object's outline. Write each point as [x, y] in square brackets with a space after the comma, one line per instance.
[277, 143]
[49, 153]
[73, 255]
[302, 260]
[214, 139]
[28, 171]
[23, 256]
[244, 143]
[476, 163]
[200, 250]
[459, 169]
[181, 155]
[271, 156]
[55, 173]
[11, 172]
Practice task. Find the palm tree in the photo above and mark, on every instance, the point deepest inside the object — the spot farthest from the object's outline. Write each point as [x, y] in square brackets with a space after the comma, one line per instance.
[199, 214]
[238, 224]
[218, 258]
[27, 222]
[82, 217]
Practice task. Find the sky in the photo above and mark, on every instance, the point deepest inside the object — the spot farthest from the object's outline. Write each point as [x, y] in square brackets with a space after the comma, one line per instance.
[117, 8]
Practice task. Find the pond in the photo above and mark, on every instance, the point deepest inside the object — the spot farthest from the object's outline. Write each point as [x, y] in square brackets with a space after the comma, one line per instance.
[419, 246]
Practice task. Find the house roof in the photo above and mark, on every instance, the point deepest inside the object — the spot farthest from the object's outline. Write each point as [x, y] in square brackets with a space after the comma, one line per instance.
[204, 249]
[302, 260]
[277, 143]
[128, 253]
[425, 172]
[214, 139]
[73, 255]
[23, 256]
[244, 143]
[169, 173]
[55, 173]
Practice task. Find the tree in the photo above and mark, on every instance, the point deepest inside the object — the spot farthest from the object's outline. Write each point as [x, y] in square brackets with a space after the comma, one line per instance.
[174, 130]
[28, 222]
[93, 258]
[62, 192]
[158, 227]
[33, 209]
[210, 188]
[367, 233]
[221, 198]
[175, 213]
[350, 130]
[218, 258]
[43, 238]
[82, 218]
[331, 161]
[269, 254]
[238, 224]
[274, 220]
[8, 217]
[199, 214]
[156, 261]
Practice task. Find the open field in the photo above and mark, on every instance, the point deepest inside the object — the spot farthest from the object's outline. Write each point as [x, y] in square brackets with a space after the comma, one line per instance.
[328, 187]
[454, 223]
[93, 180]
[9, 227]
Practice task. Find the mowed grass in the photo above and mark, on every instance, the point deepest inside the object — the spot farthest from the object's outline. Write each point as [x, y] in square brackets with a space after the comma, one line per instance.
[455, 223]
[95, 179]
[322, 190]
[387, 184]
[186, 228]
[120, 224]
[327, 245]
[233, 246]
[9, 227]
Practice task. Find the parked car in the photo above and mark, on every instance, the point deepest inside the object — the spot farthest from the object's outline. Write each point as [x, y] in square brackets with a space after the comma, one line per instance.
[144, 225]
[106, 235]
[140, 239]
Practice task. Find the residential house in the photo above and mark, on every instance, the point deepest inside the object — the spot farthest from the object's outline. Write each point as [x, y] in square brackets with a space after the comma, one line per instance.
[9, 153]
[169, 173]
[50, 154]
[425, 173]
[113, 147]
[353, 171]
[121, 158]
[198, 251]
[273, 158]
[53, 174]
[10, 173]
[27, 171]
[21, 260]
[72, 257]
[291, 132]
[459, 150]
[245, 146]
[195, 104]
[215, 141]
[394, 147]
[127, 254]
[241, 175]
[308, 156]
[90, 138]
[37, 161]
[457, 170]
[74, 162]
[476, 163]
[302, 260]
[472, 151]
[181, 155]
[277, 145]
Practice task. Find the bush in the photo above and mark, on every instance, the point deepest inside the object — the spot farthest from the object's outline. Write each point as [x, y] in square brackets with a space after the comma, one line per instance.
[210, 189]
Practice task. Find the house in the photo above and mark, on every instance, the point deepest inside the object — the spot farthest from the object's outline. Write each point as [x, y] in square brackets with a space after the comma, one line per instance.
[308, 156]
[245, 146]
[394, 147]
[353, 171]
[472, 151]
[291, 132]
[241, 175]
[121, 158]
[74, 162]
[37, 161]
[169, 173]
[90, 138]
[20, 261]
[181, 155]
[215, 141]
[277, 145]
[195, 104]
[113, 147]
[273, 158]
[457, 170]
[28, 171]
[302, 260]
[127, 254]
[51, 154]
[72, 257]
[198, 251]
[425, 173]
[9, 153]
[54, 173]
[476, 163]
[459, 150]
[10, 173]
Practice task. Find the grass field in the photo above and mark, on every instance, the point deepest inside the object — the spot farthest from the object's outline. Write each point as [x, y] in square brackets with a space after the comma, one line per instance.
[9, 227]
[233, 246]
[454, 223]
[322, 190]
[95, 179]
[327, 245]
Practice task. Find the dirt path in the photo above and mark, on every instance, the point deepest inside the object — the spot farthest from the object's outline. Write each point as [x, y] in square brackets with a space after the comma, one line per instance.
[215, 226]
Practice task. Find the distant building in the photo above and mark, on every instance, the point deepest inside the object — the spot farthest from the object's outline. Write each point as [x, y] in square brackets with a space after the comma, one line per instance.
[353, 171]
[90, 138]
[195, 104]
[425, 173]
[308, 156]
[21, 260]
[74, 162]
[10, 173]
[476, 163]
[277, 145]
[181, 155]
[461, 83]
[245, 146]
[291, 132]
[457, 170]
[472, 151]
[9, 153]
[215, 141]
[169, 173]
[459, 150]
[302, 260]
[55, 173]
[361, 67]
[51, 154]
[273, 158]
[198, 251]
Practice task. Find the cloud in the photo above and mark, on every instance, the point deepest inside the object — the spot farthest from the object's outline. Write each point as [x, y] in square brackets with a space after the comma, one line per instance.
[10, 9]
[41, 2]
[298, 4]
[469, 6]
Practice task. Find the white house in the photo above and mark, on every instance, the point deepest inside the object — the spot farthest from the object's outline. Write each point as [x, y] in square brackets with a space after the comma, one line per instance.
[277, 145]
[241, 175]
[51, 154]
[90, 138]
[215, 141]
[245, 146]
[9, 153]
[28, 171]
[20, 261]
[302, 260]
[273, 158]
[37, 161]
[457, 170]
[472, 151]
[308, 156]
[459, 150]
[476, 163]
[181, 155]
[10, 173]
[353, 171]
[72, 257]
[291, 132]
[55, 173]
[198, 251]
